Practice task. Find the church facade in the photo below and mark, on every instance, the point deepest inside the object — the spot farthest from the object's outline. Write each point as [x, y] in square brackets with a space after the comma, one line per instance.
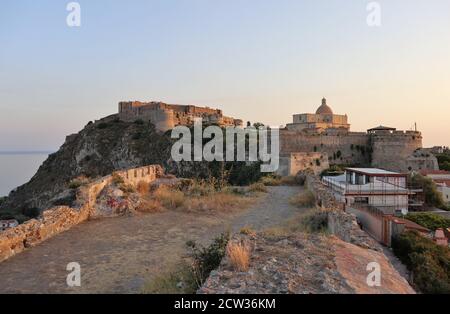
[324, 119]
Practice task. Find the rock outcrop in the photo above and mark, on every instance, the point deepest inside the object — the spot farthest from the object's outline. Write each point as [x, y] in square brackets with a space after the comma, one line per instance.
[304, 264]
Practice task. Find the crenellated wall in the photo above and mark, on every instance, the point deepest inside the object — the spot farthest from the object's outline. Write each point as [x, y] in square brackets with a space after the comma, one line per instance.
[166, 117]
[61, 218]
[390, 150]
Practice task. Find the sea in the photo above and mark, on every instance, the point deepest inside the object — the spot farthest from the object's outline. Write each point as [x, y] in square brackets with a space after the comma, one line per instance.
[17, 168]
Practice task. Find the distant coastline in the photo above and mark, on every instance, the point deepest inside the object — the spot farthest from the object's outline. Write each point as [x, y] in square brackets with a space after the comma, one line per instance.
[27, 152]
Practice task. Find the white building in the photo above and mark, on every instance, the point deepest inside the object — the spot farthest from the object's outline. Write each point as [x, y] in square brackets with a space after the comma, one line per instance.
[375, 196]
[6, 224]
[374, 187]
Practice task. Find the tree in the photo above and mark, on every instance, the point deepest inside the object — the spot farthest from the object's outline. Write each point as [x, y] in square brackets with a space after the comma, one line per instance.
[432, 196]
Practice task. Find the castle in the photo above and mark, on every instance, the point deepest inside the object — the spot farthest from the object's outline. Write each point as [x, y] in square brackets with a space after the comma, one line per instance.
[165, 117]
[329, 134]
[309, 135]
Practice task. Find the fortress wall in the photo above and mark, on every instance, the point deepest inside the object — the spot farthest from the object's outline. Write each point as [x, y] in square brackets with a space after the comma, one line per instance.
[292, 142]
[61, 218]
[390, 151]
[293, 163]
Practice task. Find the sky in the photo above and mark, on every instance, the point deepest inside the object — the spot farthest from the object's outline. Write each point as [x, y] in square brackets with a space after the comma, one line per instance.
[258, 60]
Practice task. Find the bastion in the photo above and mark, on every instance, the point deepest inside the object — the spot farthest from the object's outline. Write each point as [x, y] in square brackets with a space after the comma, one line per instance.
[165, 116]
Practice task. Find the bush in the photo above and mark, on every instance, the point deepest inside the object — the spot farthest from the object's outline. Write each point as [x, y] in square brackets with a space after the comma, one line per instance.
[271, 180]
[432, 196]
[428, 262]
[116, 179]
[31, 212]
[429, 220]
[2, 200]
[127, 188]
[316, 221]
[206, 259]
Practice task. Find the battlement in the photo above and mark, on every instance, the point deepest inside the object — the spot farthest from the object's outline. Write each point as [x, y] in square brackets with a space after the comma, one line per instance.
[166, 116]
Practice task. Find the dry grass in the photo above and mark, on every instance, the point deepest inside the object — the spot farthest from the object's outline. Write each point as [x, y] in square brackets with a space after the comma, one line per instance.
[169, 198]
[239, 256]
[143, 187]
[304, 199]
[219, 201]
[257, 187]
[149, 205]
[248, 231]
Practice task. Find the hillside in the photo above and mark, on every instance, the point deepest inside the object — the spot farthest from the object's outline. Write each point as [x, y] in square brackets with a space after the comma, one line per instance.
[102, 147]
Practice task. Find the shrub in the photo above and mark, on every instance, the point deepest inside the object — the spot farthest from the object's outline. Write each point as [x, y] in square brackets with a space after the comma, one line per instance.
[116, 179]
[257, 187]
[76, 183]
[170, 199]
[206, 259]
[429, 220]
[2, 200]
[169, 282]
[428, 262]
[304, 199]
[127, 188]
[271, 180]
[31, 212]
[432, 196]
[239, 256]
[316, 221]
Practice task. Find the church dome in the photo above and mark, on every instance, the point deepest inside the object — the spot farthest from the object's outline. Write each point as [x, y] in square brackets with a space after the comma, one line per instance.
[324, 108]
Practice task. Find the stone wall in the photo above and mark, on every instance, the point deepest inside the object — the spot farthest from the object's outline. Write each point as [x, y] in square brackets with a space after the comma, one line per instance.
[166, 117]
[61, 218]
[340, 223]
[293, 163]
[342, 149]
[391, 150]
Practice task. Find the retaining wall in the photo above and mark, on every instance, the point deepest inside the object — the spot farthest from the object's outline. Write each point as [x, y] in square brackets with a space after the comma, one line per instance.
[61, 218]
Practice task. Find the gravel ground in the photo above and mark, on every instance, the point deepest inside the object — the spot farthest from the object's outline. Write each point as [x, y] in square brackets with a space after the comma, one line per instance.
[119, 255]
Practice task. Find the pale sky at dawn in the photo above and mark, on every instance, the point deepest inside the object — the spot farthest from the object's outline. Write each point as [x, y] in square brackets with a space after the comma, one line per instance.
[259, 60]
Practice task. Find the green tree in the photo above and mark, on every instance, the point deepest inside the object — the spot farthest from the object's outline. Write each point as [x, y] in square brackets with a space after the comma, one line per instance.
[432, 196]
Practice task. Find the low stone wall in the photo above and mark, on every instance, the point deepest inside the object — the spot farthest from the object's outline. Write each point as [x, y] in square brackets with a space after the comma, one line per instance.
[61, 218]
[340, 223]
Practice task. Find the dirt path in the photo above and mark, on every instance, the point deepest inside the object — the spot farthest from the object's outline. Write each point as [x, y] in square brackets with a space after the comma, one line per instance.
[119, 255]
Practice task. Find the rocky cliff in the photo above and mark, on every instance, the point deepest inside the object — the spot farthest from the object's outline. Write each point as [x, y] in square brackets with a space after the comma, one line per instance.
[102, 147]
[99, 149]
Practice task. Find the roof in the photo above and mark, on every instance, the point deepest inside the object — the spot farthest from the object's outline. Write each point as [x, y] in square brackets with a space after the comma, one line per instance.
[324, 108]
[374, 171]
[426, 172]
[442, 182]
[410, 224]
[382, 128]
